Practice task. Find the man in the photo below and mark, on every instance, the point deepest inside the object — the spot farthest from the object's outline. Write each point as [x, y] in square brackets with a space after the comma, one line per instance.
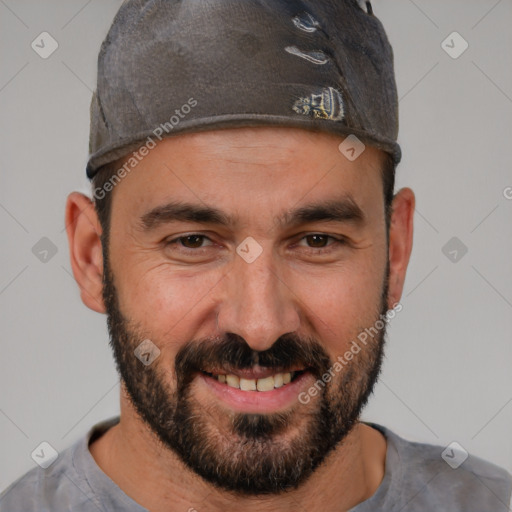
[247, 248]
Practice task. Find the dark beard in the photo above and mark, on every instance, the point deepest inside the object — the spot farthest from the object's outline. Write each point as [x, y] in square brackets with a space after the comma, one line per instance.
[252, 457]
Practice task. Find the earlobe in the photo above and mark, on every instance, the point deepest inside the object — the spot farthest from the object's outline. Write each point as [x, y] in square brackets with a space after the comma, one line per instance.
[400, 242]
[84, 237]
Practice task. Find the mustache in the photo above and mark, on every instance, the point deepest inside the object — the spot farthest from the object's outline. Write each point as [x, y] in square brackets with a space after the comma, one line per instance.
[232, 351]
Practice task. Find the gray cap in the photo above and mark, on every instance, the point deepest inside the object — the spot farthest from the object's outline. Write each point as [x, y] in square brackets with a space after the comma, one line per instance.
[174, 66]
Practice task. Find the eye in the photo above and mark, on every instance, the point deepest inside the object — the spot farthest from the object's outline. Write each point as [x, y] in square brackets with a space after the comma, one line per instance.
[189, 242]
[319, 241]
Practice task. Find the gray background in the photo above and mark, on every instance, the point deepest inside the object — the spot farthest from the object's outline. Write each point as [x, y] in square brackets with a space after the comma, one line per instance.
[447, 376]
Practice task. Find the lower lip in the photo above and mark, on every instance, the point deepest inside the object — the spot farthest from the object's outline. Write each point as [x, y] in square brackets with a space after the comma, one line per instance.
[259, 401]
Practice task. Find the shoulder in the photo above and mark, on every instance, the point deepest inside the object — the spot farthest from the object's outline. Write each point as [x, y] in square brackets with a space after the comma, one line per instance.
[435, 477]
[58, 488]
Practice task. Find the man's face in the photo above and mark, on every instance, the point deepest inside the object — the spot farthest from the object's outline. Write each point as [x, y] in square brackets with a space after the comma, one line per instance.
[294, 297]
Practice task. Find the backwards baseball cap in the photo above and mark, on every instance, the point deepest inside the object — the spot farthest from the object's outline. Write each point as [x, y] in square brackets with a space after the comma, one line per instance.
[170, 67]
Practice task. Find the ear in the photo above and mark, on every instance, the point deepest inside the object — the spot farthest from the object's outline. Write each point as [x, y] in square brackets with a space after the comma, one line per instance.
[400, 242]
[84, 232]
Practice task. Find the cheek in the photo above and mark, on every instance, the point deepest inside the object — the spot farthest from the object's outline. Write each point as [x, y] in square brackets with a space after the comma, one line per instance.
[173, 305]
[167, 304]
[342, 302]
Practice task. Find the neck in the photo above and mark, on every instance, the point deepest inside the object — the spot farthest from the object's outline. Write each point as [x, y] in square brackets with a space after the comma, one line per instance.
[129, 450]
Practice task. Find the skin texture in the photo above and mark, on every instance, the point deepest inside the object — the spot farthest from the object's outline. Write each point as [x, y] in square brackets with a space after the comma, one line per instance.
[291, 292]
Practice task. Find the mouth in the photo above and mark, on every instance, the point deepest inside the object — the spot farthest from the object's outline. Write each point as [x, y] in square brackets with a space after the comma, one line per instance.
[257, 390]
[249, 381]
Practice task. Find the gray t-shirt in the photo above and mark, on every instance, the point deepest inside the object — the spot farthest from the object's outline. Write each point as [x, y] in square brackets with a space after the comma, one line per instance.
[416, 479]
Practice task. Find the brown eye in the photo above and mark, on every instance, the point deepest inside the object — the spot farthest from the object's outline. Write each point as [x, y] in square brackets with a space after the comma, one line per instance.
[321, 244]
[317, 241]
[192, 241]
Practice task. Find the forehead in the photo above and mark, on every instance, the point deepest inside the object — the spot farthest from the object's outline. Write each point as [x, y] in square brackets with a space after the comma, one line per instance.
[263, 167]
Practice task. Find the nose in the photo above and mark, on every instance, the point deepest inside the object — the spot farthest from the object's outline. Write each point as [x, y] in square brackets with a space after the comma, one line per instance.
[258, 304]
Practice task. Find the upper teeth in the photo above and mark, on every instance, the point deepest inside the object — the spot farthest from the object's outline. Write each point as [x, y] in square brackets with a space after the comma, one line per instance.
[265, 384]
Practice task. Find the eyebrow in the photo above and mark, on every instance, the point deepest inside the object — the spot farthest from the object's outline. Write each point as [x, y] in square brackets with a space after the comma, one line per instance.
[342, 210]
